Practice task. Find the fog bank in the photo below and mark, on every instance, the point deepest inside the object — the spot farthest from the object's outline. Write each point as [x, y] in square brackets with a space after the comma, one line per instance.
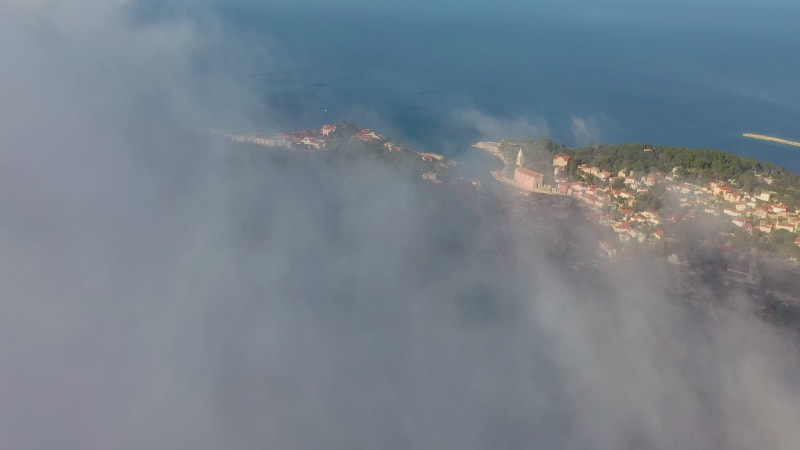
[162, 289]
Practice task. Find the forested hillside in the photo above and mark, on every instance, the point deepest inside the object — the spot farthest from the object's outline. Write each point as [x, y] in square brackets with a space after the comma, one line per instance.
[694, 165]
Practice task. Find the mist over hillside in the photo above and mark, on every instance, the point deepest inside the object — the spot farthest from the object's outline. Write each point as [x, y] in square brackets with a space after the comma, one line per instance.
[163, 289]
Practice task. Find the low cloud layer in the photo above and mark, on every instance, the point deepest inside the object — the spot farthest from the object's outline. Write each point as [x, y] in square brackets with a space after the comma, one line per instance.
[585, 131]
[575, 130]
[165, 290]
[490, 127]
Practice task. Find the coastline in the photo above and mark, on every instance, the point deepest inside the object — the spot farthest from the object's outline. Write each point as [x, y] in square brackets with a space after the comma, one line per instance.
[492, 148]
[762, 137]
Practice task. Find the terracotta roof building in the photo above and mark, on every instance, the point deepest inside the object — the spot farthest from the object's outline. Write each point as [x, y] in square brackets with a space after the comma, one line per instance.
[527, 178]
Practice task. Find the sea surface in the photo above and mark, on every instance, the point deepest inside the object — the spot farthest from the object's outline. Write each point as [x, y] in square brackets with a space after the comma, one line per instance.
[683, 75]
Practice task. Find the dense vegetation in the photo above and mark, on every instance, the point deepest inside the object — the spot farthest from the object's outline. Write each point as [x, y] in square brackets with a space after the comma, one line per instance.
[694, 165]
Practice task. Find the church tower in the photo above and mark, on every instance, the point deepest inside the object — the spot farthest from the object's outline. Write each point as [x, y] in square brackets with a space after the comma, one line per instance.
[519, 158]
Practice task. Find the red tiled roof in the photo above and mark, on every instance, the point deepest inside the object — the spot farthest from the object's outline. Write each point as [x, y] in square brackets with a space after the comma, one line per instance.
[528, 172]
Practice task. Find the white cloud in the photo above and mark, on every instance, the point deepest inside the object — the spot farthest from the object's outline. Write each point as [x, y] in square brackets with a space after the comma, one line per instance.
[585, 131]
[160, 290]
[492, 128]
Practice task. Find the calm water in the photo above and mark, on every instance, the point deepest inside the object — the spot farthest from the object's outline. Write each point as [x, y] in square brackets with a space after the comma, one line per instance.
[688, 76]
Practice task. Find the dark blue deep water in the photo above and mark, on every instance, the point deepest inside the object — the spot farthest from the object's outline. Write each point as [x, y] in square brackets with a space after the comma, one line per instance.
[675, 75]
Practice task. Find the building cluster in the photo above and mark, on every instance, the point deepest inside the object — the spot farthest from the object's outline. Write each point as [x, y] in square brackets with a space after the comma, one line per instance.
[309, 139]
[305, 139]
[316, 140]
[616, 207]
[616, 200]
[750, 212]
[368, 136]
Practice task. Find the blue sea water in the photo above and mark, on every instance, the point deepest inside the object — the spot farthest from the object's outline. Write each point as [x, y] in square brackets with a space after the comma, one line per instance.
[684, 75]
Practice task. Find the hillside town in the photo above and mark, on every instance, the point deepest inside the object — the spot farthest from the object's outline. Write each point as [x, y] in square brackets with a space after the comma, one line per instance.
[613, 216]
[613, 200]
[619, 203]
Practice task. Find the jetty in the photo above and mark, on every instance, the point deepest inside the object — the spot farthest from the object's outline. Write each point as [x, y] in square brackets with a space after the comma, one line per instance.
[762, 137]
[252, 138]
